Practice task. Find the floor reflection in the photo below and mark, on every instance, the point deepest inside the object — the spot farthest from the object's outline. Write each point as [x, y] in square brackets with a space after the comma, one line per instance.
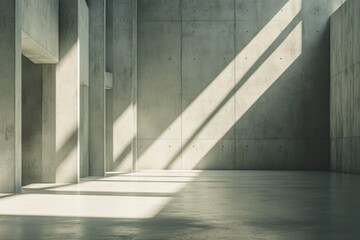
[188, 205]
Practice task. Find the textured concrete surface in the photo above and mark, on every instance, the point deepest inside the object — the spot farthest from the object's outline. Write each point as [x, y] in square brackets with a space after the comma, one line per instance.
[97, 104]
[84, 133]
[345, 83]
[253, 79]
[31, 122]
[40, 30]
[188, 205]
[123, 115]
[109, 96]
[68, 95]
[10, 95]
[84, 42]
[48, 122]
[108, 80]
[160, 40]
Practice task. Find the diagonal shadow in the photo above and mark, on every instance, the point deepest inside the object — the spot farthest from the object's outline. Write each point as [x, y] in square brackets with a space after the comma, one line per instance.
[238, 7]
[228, 90]
[284, 34]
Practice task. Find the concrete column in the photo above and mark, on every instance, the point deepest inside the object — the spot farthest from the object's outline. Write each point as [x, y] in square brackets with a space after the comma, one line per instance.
[84, 89]
[10, 95]
[134, 84]
[97, 105]
[122, 85]
[31, 122]
[68, 95]
[109, 92]
[48, 123]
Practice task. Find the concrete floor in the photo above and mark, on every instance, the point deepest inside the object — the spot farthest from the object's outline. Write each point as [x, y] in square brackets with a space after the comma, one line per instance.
[188, 205]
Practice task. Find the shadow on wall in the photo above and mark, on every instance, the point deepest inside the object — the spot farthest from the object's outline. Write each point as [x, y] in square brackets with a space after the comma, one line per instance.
[153, 107]
[31, 122]
[61, 93]
[265, 108]
[259, 62]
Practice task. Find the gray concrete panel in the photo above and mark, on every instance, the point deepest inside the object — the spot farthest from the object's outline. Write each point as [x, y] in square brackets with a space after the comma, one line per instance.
[10, 96]
[68, 95]
[356, 100]
[194, 10]
[84, 131]
[84, 42]
[260, 10]
[40, 30]
[31, 122]
[319, 9]
[210, 154]
[281, 75]
[97, 104]
[306, 154]
[159, 80]
[122, 88]
[49, 123]
[313, 92]
[335, 106]
[159, 10]
[250, 154]
[108, 93]
[207, 79]
[270, 83]
[345, 155]
[345, 80]
[335, 46]
[347, 33]
[109, 36]
[159, 154]
[134, 82]
[355, 8]
[347, 102]
[109, 130]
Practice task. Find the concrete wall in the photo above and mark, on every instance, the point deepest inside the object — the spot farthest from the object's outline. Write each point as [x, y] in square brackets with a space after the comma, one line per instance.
[40, 30]
[226, 84]
[31, 122]
[345, 88]
[10, 95]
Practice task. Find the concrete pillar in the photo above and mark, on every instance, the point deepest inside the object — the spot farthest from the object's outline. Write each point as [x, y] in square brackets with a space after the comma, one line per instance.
[109, 92]
[84, 89]
[31, 122]
[48, 123]
[97, 105]
[134, 84]
[123, 117]
[68, 94]
[40, 45]
[10, 96]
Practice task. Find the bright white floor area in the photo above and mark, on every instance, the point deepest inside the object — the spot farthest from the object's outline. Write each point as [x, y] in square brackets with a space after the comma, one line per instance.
[188, 205]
